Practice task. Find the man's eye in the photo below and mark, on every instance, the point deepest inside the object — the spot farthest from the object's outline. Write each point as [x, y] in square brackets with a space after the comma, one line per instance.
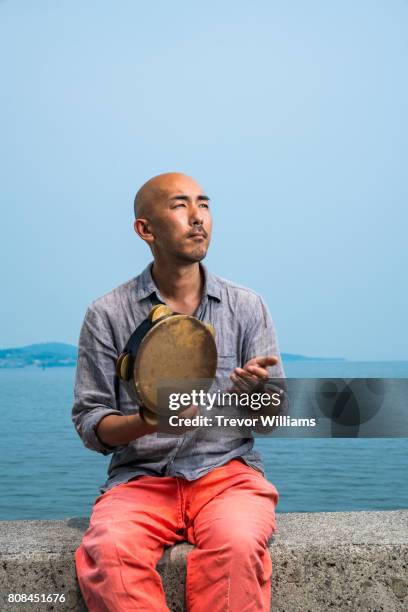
[179, 204]
[204, 204]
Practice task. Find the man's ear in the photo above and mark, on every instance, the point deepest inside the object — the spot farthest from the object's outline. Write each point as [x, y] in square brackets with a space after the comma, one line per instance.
[143, 230]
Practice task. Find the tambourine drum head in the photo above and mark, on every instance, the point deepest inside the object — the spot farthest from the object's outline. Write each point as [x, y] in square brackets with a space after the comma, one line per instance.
[178, 354]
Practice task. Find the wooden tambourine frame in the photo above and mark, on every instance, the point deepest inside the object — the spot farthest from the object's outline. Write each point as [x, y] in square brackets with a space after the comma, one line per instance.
[168, 352]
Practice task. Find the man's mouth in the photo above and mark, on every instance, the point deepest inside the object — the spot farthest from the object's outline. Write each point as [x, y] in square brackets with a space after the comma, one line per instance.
[197, 235]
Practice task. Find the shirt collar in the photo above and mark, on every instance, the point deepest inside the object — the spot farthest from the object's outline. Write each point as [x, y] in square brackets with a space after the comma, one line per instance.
[145, 285]
[211, 285]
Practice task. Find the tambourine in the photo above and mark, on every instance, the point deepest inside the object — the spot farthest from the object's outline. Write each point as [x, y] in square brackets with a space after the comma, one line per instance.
[167, 353]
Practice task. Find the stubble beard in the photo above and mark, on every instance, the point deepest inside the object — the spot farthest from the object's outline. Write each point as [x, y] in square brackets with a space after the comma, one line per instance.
[195, 256]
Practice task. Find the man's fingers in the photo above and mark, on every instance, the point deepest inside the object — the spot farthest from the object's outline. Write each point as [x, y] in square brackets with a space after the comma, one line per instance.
[260, 373]
[248, 377]
[253, 373]
[240, 384]
[243, 372]
[268, 360]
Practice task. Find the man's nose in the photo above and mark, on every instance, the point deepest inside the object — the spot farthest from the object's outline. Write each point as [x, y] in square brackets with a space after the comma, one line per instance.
[196, 216]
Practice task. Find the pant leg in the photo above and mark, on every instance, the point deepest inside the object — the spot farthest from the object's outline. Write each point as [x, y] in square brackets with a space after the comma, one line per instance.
[129, 528]
[232, 512]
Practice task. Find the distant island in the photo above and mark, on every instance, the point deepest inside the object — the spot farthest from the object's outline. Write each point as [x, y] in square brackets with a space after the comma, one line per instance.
[58, 354]
[293, 357]
[45, 355]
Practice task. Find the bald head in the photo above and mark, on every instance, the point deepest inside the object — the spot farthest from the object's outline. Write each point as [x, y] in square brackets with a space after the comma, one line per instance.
[158, 188]
[173, 218]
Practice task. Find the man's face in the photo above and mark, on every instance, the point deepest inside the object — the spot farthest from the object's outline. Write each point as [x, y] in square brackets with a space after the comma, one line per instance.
[179, 219]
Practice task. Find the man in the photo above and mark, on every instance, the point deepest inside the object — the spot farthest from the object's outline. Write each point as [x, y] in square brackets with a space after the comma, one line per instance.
[166, 489]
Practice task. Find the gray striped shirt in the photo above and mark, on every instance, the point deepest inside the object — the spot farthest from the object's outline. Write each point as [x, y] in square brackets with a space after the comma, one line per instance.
[244, 329]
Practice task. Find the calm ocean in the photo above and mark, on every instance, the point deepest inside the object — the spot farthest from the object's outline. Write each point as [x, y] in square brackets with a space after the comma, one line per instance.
[47, 473]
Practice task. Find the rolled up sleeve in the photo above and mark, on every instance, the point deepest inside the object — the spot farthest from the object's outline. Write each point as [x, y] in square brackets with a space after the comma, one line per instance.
[94, 394]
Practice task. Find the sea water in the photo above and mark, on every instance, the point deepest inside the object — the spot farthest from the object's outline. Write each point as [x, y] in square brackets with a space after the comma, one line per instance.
[47, 473]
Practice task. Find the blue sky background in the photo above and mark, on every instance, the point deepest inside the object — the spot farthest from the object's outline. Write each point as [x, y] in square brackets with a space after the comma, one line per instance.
[292, 115]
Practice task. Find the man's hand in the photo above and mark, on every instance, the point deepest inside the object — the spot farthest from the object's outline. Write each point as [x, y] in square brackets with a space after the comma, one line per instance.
[115, 430]
[253, 375]
[164, 426]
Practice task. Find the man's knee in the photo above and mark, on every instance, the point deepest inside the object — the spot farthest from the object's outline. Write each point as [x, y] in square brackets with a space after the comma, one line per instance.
[244, 545]
[114, 543]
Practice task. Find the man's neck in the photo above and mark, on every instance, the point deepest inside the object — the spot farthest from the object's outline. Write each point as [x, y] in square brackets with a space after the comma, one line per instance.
[181, 286]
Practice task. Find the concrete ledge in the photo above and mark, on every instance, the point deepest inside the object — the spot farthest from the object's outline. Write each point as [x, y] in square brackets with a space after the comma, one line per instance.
[322, 561]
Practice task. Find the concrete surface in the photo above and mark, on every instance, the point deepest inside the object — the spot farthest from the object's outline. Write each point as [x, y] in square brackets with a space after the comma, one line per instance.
[322, 561]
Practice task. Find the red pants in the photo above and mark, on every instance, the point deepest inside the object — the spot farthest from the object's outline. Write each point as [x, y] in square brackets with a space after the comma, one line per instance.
[228, 514]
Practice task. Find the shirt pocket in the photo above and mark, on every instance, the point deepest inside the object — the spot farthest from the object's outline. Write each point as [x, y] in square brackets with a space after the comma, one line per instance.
[225, 367]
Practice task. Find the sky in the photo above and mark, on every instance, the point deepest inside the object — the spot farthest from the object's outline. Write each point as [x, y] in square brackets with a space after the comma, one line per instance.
[293, 117]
